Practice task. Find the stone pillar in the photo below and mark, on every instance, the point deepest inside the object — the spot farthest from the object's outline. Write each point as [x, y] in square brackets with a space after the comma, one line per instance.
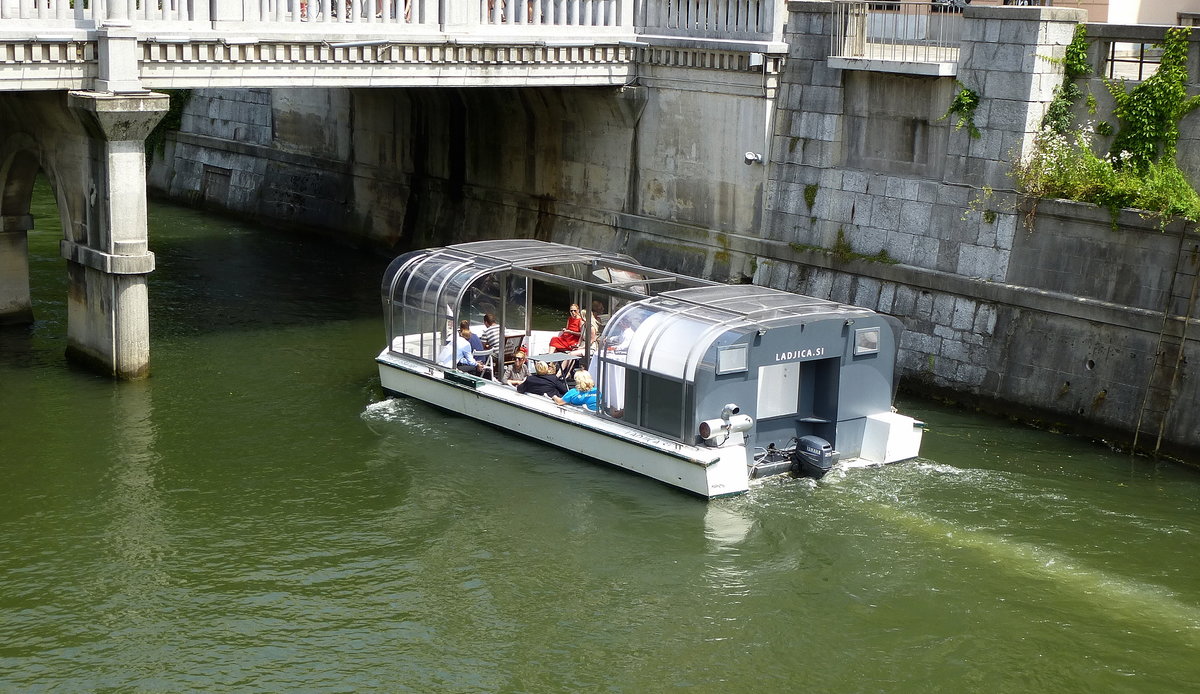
[117, 58]
[107, 306]
[1005, 57]
[16, 306]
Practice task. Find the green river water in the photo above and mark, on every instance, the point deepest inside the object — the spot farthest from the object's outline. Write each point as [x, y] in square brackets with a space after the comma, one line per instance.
[256, 517]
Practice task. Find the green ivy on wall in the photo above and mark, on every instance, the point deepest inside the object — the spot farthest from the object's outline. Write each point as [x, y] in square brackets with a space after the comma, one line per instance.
[963, 105]
[1139, 170]
[1149, 114]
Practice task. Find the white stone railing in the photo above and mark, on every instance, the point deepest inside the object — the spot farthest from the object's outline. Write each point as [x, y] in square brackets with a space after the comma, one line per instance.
[761, 20]
[723, 19]
[127, 46]
[754, 20]
[508, 16]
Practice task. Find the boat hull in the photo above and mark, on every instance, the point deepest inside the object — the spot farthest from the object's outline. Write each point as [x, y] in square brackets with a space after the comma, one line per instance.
[708, 472]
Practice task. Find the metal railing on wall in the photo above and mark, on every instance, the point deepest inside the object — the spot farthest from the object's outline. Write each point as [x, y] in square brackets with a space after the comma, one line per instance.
[897, 31]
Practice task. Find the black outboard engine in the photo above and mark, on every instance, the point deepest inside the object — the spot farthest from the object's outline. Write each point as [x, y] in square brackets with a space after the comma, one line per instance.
[813, 457]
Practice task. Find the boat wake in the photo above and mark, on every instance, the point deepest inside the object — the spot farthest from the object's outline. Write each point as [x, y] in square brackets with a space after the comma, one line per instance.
[381, 416]
[897, 496]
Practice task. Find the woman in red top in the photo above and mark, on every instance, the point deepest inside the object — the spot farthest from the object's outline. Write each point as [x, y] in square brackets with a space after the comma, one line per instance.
[568, 339]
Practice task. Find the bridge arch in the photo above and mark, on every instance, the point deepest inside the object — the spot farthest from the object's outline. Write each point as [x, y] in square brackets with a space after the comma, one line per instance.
[21, 160]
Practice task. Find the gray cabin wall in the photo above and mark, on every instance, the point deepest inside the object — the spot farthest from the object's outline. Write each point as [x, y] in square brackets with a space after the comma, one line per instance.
[855, 386]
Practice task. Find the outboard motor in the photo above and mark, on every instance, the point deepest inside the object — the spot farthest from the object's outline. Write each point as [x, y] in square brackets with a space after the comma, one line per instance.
[813, 457]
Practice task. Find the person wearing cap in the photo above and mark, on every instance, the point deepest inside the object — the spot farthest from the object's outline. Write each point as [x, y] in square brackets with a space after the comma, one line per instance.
[516, 372]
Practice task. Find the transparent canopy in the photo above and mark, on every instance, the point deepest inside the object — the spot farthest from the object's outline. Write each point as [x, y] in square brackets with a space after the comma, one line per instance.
[654, 320]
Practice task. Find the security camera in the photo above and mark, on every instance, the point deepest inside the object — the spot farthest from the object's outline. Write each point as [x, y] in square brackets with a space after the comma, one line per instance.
[752, 157]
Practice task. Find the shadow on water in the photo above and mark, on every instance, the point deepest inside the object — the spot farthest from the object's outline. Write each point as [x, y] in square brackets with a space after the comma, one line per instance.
[218, 274]
[211, 274]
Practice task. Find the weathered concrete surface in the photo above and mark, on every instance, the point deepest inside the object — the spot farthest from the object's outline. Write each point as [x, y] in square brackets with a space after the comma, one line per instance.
[16, 303]
[413, 167]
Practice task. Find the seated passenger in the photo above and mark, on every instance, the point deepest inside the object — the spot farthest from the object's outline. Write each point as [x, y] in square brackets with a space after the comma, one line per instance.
[566, 340]
[516, 372]
[599, 314]
[491, 334]
[583, 394]
[465, 360]
[464, 330]
[621, 335]
[542, 382]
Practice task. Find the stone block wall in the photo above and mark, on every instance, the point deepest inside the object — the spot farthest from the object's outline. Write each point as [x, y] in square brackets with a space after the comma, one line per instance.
[1044, 311]
[275, 156]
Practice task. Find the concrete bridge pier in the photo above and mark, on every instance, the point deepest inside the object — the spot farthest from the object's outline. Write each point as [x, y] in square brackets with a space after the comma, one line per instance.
[108, 323]
[16, 306]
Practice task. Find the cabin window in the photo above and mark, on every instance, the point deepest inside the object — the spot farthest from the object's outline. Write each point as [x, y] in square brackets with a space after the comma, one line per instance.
[778, 389]
[866, 341]
[662, 405]
[731, 359]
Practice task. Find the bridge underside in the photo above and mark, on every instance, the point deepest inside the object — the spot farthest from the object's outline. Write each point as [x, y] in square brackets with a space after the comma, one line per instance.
[71, 64]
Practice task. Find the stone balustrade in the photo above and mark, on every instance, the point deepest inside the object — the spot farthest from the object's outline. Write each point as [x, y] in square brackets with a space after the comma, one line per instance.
[760, 20]
[134, 45]
[923, 37]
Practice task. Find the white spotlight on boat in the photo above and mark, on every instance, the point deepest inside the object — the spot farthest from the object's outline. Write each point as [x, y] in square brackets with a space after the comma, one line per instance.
[731, 424]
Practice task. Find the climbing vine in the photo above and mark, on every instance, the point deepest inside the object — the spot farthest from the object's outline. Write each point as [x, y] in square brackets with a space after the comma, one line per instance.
[963, 105]
[1059, 118]
[1139, 170]
[1149, 114]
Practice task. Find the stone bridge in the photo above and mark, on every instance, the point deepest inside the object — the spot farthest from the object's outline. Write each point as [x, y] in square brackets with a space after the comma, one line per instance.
[77, 100]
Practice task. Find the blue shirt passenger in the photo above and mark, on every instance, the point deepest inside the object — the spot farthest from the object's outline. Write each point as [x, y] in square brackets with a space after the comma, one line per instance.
[584, 394]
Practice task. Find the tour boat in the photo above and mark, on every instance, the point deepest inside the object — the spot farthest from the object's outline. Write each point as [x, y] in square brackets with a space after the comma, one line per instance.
[702, 385]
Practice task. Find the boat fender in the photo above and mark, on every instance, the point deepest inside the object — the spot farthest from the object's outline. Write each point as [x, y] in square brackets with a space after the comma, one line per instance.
[812, 457]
